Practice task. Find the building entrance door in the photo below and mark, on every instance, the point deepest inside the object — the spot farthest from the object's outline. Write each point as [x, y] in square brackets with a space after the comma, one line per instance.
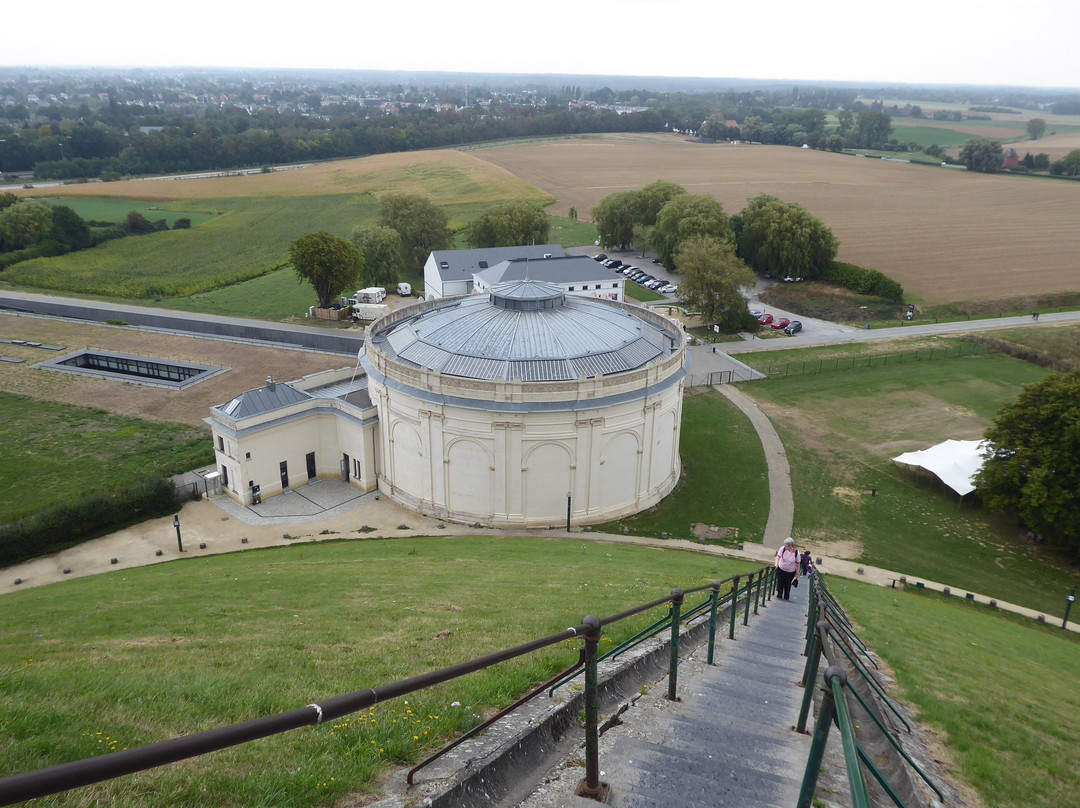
[311, 465]
[284, 466]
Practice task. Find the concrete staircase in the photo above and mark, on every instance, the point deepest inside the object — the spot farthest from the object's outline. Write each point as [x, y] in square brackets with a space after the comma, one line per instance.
[727, 742]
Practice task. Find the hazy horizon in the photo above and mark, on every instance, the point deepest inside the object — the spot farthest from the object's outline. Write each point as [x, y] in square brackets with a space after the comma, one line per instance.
[949, 42]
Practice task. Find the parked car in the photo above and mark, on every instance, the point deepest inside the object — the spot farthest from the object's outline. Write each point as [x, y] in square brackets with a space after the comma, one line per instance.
[637, 273]
[656, 260]
[783, 322]
[788, 279]
[644, 279]
[655, 285]
[765, 319]
[668, 289]
[628, 268]
[599, 257]
[794, 327]
[755, 313]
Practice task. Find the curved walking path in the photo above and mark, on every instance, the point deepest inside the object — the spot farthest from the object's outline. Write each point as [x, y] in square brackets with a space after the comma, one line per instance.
[781, 500]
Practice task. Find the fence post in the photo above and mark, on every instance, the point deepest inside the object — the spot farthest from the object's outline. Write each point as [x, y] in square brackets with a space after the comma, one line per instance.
[714, 602]
[734, 605]
[673, 666]
[591, 786]
[810, 674]
[757, 591]
[770, 582]
[817, 746]
[749, 597]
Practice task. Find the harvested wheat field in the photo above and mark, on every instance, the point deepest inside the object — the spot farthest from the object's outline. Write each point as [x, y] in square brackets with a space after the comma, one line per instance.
[447, 177]
[249, 365]
[946, 235]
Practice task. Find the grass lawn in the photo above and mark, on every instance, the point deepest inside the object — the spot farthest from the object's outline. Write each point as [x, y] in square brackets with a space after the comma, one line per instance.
[841, 430]
[55, 451]
[724, 478]
[128, 658]
[635, 291]
[1000, 690]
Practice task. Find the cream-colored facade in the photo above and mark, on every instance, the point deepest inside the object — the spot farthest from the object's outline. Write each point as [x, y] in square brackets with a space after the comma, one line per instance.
[289, 435]
[473, 449]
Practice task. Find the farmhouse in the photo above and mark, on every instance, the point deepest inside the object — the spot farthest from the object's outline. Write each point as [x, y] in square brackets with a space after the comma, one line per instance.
[505, 408]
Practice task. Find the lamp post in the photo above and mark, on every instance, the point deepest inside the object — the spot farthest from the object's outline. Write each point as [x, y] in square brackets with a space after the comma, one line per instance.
[1069, 601]
[569, 501]
[176, 524]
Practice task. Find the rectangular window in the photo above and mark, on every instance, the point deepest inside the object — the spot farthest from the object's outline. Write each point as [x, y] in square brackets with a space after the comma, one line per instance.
[571, 289]
[220, 443]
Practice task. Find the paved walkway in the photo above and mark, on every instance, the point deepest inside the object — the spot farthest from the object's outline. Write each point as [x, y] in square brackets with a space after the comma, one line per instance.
[781, 501]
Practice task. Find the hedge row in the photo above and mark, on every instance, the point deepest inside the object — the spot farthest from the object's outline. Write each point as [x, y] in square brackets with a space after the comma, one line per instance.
[66, 524]
[864, 281]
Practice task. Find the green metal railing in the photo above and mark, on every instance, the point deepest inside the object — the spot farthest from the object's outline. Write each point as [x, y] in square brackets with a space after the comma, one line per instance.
[828, 627]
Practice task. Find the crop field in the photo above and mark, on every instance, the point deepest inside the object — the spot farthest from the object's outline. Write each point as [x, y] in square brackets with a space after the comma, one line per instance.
[446, 177]
[946, 235]
[116, 210]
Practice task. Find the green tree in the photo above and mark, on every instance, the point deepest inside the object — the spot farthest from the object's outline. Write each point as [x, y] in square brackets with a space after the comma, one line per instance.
[781, 238]
[24, 225]
[1036, 128]
[873, 128]
[982, 154]
[510, 224]
[69, 228]
[653, 197]
[330, 264]
[711, 279]
[421, 225]
[615, 218]
[7, 199]
[844, 121]
[685, 217]
[1069, 165]
[381, 250]
[1032, 466]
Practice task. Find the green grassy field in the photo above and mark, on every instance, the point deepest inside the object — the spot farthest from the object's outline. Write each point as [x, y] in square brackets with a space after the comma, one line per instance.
[928, 135]
[224, 639]
[55, 451]
[840, 431]
[116, 210]
[724, 479]
[1000, 690]
[186, 262]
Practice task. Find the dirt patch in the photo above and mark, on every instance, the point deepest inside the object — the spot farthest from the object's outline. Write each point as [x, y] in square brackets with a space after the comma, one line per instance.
[248, 366]
[938, 232]
[703, 531]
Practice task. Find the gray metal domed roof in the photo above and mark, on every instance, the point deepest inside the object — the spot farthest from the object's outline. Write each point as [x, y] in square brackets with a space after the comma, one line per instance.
[526, 330]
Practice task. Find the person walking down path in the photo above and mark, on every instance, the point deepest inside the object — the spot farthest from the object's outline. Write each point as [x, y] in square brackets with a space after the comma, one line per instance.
[804, 563]
[787, 567]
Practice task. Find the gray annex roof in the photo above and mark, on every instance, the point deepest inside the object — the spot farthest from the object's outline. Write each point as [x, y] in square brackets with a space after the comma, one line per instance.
[273, 396]
[563, 269]
[457, 265]
[526, 330]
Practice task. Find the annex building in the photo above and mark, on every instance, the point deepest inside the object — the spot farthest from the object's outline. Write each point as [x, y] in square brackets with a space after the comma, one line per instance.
[504, 408]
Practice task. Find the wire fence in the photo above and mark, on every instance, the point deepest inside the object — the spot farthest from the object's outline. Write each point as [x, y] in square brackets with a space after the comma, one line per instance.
[843, 363]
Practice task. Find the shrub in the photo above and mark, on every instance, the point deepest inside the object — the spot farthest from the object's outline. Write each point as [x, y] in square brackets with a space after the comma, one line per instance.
[65, 524]
[864, 281]
[182, 223]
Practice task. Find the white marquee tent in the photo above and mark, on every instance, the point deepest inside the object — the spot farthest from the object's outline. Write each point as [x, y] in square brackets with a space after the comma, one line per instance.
[954, 462]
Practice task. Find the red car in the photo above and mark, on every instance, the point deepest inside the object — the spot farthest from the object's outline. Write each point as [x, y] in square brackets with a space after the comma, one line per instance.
[783, 322]
[765, 319]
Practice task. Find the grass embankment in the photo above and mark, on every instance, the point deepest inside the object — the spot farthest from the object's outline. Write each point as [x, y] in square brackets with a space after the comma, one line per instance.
[724, 483]
[54, 452]
[840, 431]
[129, 658]
[1000, 689]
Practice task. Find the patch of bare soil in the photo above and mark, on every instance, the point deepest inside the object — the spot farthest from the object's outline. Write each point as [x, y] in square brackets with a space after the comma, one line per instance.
[703, 531]
[246, 368]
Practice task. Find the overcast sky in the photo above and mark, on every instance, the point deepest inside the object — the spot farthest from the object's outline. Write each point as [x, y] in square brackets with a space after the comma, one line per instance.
[916, 41]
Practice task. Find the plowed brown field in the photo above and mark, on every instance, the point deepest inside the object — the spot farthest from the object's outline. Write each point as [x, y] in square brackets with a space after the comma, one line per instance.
[946, 235]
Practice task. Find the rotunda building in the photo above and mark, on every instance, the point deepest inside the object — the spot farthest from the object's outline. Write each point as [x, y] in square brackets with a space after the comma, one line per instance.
[526, 406]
